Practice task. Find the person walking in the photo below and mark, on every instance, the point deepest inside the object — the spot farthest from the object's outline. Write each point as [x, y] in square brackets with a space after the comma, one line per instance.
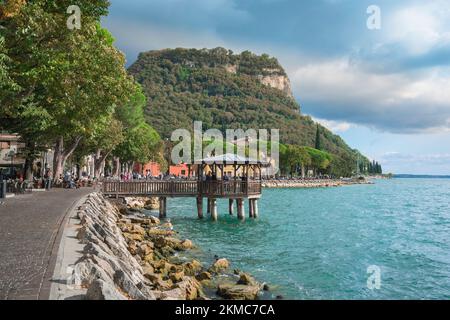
[48, 179]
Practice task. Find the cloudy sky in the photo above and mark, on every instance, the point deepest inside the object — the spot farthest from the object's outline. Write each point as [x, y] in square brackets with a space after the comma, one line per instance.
[386, 91]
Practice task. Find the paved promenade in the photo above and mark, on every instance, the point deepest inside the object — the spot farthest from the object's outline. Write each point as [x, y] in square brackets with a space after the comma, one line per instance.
[29, 241]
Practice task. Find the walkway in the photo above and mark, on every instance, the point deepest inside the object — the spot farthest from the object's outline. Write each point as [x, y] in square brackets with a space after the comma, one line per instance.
[29, 240]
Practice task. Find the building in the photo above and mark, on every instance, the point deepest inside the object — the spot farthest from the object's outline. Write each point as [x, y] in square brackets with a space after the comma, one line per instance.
[152, 168]
[180, 170]
[11, 160]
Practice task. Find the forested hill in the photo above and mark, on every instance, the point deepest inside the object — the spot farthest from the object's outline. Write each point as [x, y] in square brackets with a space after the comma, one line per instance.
[227, 90]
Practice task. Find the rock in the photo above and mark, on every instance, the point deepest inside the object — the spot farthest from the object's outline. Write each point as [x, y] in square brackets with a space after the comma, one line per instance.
[144, 249]
[187, 244]
[132, 247]
[132, 228]
[191, 268]
[246, 279]
[205, 275]
[163, 267]
[122, 280]
[154, 232]
[86, 272]
[238, 291]
[174, 294]
[102, 290]
[266, 287]
[148, 268]
[176, 276]
[149, 257]
[134, 203]
[190, 287]
[220, 265]
[167, 251]
[152, 203]
[154, 220]
[167, 226]
[133, 236]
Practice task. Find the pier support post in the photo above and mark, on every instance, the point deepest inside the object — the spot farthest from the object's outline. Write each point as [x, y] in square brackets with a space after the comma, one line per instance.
[250, 208]
[208, 209]
[240, 209]
[200, 207]
[231, 206]
[162, 207]
[255, 208]
[214, 209]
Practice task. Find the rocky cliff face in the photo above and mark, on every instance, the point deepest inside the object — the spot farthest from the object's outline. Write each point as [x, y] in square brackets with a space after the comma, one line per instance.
[274, 78]
[278, 82]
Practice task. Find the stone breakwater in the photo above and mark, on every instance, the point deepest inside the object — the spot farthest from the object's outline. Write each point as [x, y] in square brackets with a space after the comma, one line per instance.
[136, 257]
[300, 183]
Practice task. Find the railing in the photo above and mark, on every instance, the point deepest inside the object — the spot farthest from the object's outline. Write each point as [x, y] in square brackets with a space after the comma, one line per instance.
[231, 188]
[182, 188]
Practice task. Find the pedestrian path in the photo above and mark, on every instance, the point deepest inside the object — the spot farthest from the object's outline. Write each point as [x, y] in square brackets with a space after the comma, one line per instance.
[29, 240]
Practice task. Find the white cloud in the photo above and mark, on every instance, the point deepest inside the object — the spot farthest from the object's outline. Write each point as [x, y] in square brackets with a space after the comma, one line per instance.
[342, 91]
[419, 28]
[334, 126]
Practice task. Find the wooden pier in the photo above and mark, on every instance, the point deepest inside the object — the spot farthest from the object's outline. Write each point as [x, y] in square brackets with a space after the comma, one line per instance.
[215, 185]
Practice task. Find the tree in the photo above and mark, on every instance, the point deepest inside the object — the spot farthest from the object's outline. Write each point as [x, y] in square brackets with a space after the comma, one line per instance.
[73, 78]
[141, 142]
[318, 142]
[293, 157]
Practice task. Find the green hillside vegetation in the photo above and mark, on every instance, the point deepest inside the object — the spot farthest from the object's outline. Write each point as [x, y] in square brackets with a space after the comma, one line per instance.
[183, 85]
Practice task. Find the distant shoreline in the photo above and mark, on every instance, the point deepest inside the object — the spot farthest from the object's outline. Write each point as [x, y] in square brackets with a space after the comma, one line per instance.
[421, 176]
[313, 183]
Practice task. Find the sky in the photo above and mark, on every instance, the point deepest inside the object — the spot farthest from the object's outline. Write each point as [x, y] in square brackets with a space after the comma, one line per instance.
[386, 91]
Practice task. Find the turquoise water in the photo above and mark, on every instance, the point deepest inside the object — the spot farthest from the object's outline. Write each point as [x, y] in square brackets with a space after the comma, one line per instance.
[318, 243]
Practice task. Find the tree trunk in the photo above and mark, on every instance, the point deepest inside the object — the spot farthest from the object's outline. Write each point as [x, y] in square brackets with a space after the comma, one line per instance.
[28, 169]
[58, 158]
[99, 162]
[116, 172]
[303, 171]
[62, 154]
[78, 170]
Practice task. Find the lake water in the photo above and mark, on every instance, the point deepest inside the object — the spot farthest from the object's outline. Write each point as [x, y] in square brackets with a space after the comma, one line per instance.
[318, 243]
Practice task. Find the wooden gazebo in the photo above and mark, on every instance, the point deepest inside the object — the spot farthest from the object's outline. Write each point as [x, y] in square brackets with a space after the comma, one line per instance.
[217, 181]
[226, 176]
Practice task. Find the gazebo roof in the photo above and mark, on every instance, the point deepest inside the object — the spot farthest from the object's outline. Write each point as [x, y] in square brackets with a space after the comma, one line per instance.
[231, 158]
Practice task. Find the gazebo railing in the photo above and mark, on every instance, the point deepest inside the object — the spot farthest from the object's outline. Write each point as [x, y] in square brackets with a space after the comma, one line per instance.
[182, 188]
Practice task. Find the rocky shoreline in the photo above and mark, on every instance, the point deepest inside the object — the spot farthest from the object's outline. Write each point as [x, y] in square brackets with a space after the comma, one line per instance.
[131, 256]
[316, 183]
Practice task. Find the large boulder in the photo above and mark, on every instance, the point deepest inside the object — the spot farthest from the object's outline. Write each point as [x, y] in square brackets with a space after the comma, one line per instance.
[220, 265]
[238, 291]
[152, 203]
[193, 267]
[102, 290]
[246, 279]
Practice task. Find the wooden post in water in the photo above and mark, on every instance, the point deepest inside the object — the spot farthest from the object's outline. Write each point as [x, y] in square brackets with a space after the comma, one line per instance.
[214, 209]
[200, 207]
[162, 207]
[250, 208]
[208, 209]
[240, 209]
[231, 206]
[255, 208]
